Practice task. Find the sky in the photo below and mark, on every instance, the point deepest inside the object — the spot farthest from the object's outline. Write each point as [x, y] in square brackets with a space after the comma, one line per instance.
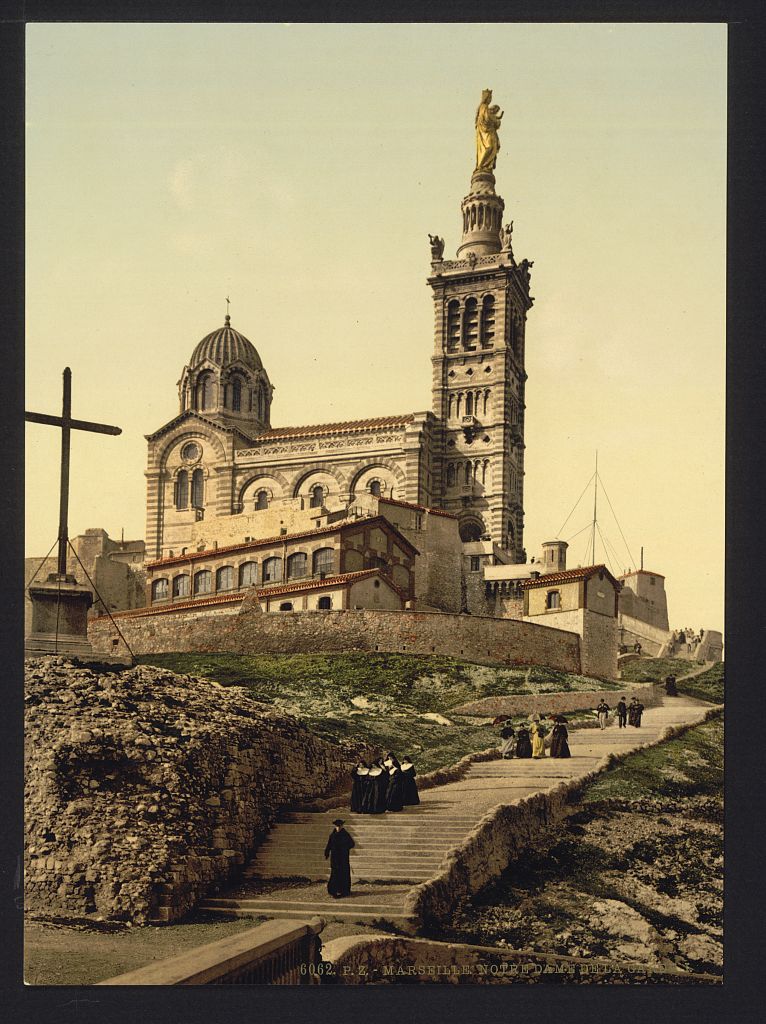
[298, 169]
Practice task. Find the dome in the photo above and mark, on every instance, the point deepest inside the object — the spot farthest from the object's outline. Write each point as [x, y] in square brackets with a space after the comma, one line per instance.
[226, 346]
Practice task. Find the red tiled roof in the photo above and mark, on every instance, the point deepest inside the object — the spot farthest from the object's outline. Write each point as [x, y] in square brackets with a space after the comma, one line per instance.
[251, 545]
[420, 508]
[568, 575]
[344, 427]
[342, 580]
[179, 606]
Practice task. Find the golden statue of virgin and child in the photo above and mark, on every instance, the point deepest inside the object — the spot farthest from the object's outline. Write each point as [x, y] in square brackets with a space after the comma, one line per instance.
[488, 120]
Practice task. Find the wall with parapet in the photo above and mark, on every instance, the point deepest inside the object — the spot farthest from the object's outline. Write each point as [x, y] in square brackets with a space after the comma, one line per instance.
[543, 703]
[238, 629]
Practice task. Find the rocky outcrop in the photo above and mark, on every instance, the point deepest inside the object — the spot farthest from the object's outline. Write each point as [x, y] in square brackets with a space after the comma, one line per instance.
[144, 788]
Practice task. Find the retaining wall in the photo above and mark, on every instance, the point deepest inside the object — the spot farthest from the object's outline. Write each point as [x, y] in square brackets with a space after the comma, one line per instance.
[542, 703]
[239, 629]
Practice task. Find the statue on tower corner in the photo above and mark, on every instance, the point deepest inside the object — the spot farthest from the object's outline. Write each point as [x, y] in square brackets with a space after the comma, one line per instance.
[506, 236]
[437, 247]
[488, 120]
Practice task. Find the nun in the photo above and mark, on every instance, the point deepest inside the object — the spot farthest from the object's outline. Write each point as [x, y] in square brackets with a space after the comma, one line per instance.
[523, 743]
[410, 787]
[338, 848]
[378, 783]
[359, 786]
[395, 790]
[559, 744]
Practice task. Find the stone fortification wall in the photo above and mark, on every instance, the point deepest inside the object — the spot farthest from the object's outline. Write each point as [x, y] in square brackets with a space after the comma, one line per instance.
[543, 703]
[143, 788]
[500, 837]
[241, 630]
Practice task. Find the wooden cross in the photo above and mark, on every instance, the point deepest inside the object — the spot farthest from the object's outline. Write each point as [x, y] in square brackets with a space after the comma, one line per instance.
[67, 424]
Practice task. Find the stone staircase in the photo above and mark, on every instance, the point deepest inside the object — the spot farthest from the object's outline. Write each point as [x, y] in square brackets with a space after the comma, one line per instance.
[396, 851]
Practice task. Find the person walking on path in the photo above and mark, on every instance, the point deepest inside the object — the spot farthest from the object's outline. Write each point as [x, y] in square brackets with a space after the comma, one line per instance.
[622, 713]
[409, 786]
[395, 791]
[635, 710]
[359, 786]
[376, 800]
[508, 736]
[670, 686]
[538, 733]
[603, 713]
[523, 744]
[559, 744]
[338, 848]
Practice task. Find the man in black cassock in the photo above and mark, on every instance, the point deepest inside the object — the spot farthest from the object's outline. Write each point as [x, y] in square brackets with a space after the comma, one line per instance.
[338, 846]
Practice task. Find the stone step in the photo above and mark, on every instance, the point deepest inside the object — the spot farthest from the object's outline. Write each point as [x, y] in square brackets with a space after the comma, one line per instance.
[310, 906]
[337, 910]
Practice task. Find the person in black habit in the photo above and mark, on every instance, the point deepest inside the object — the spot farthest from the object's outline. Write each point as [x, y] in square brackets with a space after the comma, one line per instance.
[410, 787]
[635, 710]
[523, 742]
[395, 791]
[622, 713]
[670, 686]
[559, 744]
[378, 784]
[338, 846]
[359, 785]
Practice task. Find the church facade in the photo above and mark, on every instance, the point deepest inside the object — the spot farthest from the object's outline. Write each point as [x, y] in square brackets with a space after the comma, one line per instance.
[221, 462]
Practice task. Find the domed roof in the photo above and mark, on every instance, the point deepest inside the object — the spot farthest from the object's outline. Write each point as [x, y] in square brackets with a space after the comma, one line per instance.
[226, 346]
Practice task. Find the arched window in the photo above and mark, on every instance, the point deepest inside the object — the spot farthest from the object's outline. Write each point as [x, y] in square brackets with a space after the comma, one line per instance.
[553, 599]
[248, 574]
[468, 404]
[476, 468]
[205, 386]
[181, 585]
[374, 488]
[224, 578]
[263, 409]
[484, 466]
[317, 496]
[286, 606]
[261, 500]
[236, 394]
[297, 565]
[159, 590]
[453, 325]
[182, 490]
[450, 408]
[323, 561]
[324, 603]
[486, 401]
[470, 531]
[272, 570]
[470, 324]
[488, 322]
[451, 474]
[459, 403]
[468, 473]
[198, 489]
[203, 582]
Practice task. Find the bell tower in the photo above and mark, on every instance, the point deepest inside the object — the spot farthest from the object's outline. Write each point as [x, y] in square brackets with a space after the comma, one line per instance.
[481, 300]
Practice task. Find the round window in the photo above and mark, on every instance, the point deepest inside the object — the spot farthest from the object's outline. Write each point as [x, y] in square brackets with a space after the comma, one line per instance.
[191, 451]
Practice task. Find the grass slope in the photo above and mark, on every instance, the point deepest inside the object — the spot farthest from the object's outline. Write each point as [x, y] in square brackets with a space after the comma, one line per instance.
[380, 698]
[706, 686]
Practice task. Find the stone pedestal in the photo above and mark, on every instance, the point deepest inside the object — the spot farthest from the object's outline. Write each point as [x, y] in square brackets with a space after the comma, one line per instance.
[59, 618]
[482, 211]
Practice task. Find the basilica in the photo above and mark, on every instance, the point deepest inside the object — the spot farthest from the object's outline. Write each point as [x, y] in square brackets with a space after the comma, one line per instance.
[220, 473]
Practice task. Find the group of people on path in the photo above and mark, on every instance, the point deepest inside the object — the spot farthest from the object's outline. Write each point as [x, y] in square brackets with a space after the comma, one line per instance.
[383, 785]
[529, 740]
[627, 714]
[687, 639]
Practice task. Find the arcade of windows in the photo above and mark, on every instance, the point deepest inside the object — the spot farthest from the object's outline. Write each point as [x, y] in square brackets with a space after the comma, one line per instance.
[472, 326]
[203, 396]
[229, 578]
[467, 473]
[469, 403]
